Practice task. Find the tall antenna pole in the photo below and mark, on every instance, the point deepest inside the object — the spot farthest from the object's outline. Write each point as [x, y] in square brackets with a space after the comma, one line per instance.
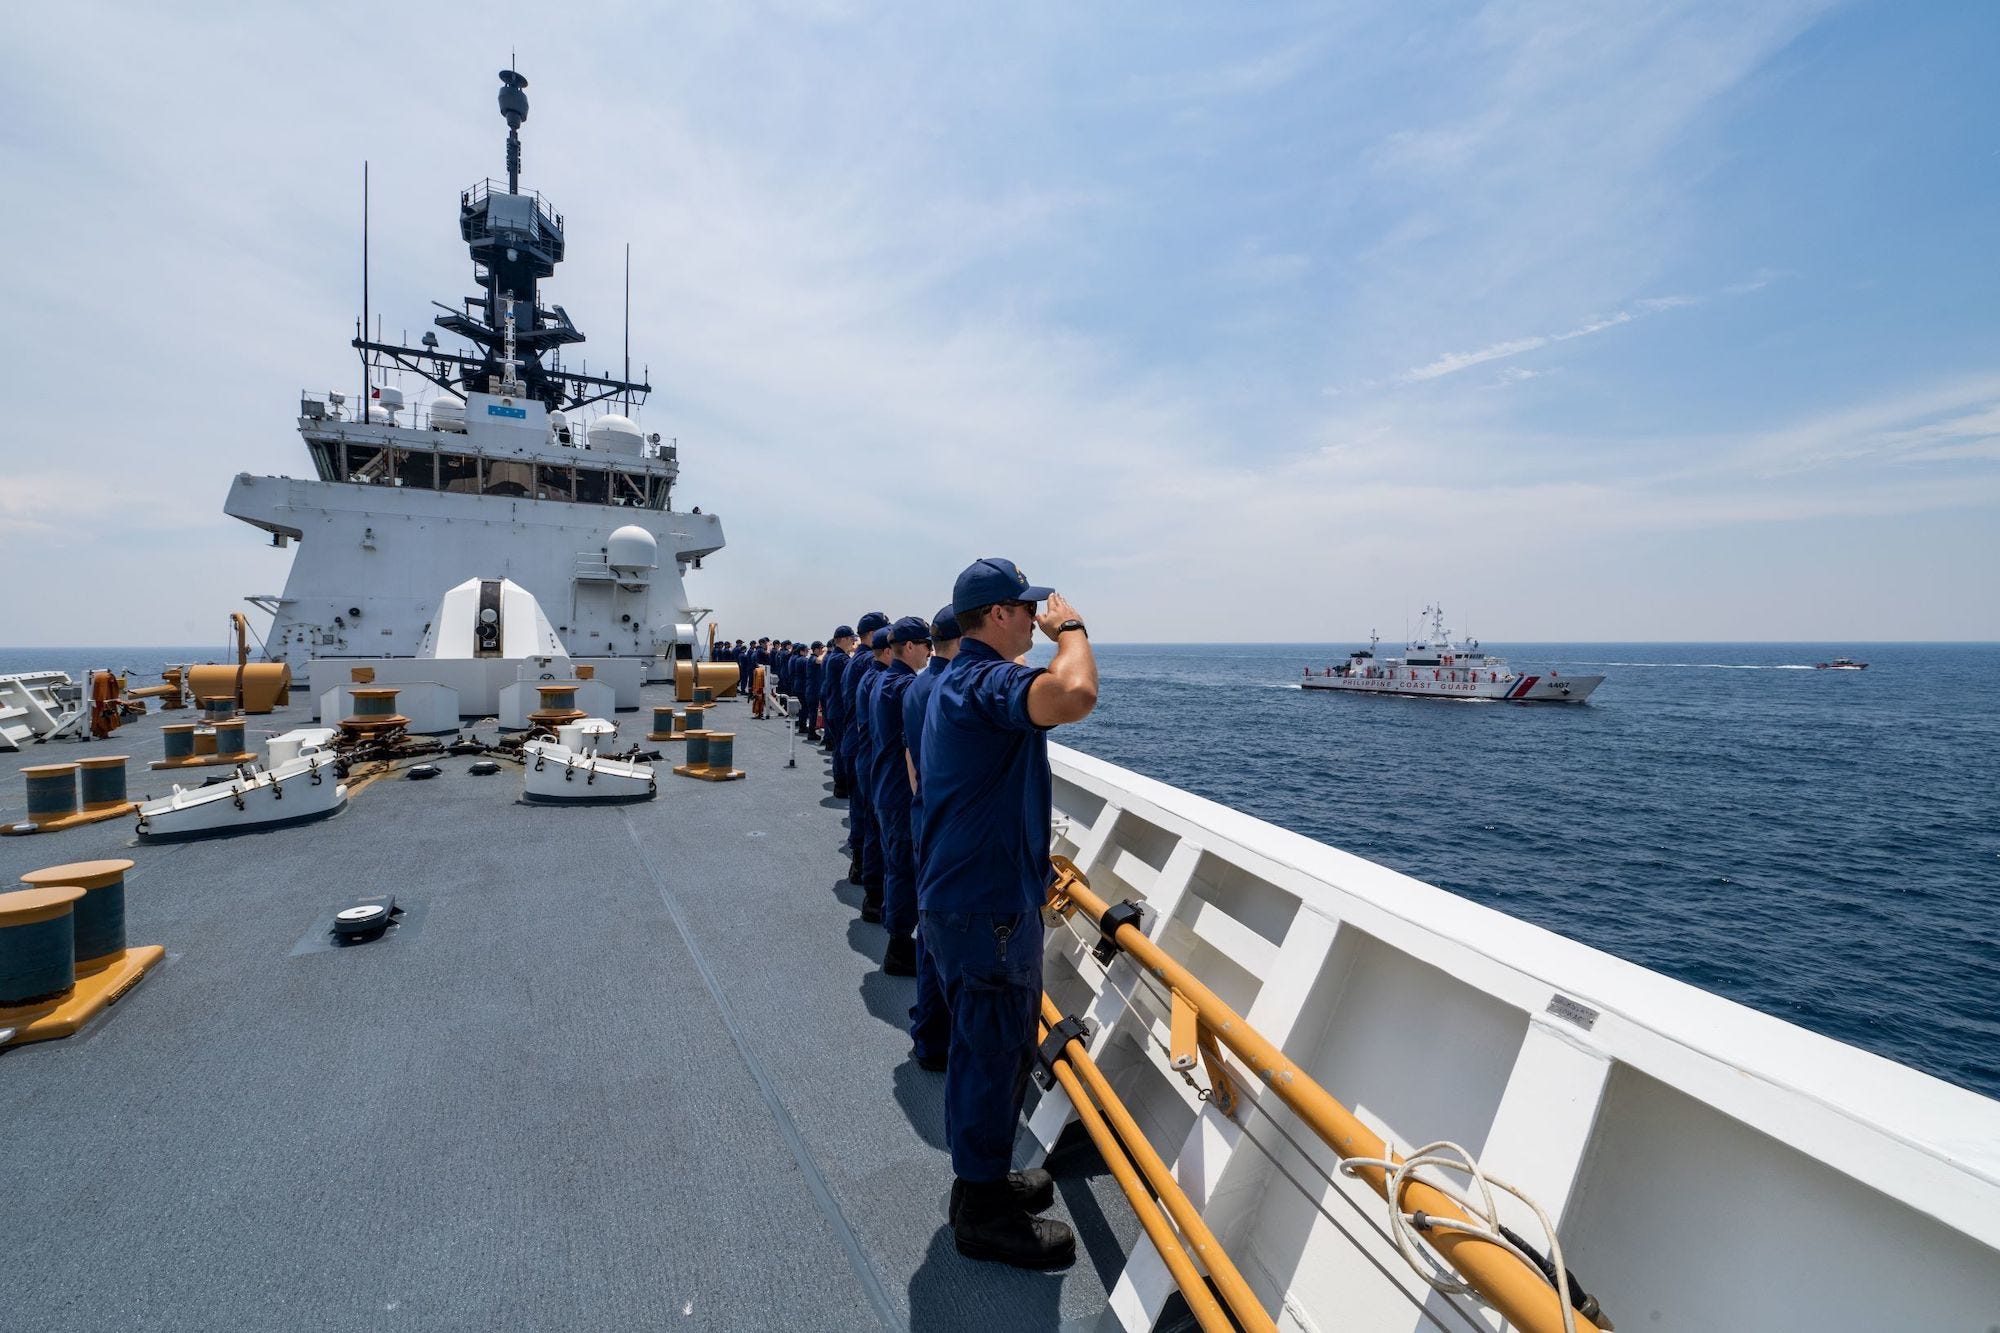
[628, 328]
[361, 409]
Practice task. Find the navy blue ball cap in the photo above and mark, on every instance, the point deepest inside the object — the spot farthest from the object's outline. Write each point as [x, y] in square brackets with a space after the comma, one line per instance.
[991, 581]
[843, 631]
[871, 622]
[910, 629]
[880, 639]
[944, 625]
[817, 645]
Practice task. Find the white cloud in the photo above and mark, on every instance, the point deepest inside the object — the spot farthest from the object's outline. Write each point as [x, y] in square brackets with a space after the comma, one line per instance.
[918, 287]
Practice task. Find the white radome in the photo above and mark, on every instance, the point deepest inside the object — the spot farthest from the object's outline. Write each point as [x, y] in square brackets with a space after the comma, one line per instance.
[632, 548]
[613, 434]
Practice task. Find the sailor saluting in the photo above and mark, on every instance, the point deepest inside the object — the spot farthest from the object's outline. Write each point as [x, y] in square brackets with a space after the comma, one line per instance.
[981, 886]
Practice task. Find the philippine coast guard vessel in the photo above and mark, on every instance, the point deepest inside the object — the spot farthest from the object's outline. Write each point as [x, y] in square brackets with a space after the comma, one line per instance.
[501, 473]
[1433, 667]
[633, 1063]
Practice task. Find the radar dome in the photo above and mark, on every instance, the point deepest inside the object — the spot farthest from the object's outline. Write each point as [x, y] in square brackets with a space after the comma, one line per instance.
[632, 547]
[613, 434]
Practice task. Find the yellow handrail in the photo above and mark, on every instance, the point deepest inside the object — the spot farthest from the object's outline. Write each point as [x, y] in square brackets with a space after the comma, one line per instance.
[1518, 1291]
[1199, 1298]
[1242, 1301]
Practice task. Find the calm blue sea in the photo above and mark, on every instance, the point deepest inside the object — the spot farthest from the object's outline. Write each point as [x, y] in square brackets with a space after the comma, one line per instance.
[1824, 846]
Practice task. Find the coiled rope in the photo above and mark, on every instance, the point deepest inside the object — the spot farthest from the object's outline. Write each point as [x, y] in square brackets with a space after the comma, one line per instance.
[1445, 1155]
[1403, 1226]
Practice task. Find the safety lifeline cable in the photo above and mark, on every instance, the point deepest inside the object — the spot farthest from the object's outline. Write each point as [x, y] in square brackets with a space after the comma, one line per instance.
[1243, 1302]
[1496, 1269]
[1201, 1301]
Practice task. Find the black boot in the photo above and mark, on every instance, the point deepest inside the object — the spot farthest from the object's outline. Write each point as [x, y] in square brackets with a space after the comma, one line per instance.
[871, 905]
[854, 868]
[1032, 1190]
[839, 790]
[899, 957]
[991, 1225]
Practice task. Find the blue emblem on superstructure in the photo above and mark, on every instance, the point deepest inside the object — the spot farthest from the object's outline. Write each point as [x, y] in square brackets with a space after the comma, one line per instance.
[495, 410]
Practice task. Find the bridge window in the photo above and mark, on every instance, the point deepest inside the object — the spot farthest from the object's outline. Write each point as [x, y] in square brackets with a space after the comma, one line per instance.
[553, 482]
[326, 459]
[416, 469]
[510, 478]
[458, 473]
[628, 488]
[367, 463]
[592, 486]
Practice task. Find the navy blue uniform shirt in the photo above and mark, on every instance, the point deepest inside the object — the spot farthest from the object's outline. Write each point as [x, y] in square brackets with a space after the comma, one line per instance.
[891, 792]
[864, 724]
[853, 721]
[832, 672]
[916, 700]
[986, 785]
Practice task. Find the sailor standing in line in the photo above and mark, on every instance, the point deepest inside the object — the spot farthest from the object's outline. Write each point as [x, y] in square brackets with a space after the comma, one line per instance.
[909, 653]
[802, 666]
[930, 1021]
[809, 677]
[832, 672]
[853, 726]
[867, 747]
[982, 886]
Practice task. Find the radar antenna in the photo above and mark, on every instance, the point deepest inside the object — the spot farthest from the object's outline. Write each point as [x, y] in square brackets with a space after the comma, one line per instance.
[514, 107]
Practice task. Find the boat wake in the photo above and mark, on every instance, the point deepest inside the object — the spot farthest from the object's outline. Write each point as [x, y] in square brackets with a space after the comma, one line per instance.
[1702, 666]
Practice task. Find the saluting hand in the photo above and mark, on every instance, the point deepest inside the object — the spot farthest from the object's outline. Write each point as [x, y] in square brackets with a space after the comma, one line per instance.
[1057, 611]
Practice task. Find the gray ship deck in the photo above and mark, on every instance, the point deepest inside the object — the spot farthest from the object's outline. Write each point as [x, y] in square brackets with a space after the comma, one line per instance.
[623, 1066]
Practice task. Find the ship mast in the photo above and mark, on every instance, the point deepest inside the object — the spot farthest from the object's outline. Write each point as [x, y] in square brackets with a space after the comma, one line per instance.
[515, 240]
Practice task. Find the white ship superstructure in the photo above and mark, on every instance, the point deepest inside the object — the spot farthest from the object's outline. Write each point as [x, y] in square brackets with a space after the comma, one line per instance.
[500, 475]
[1434, 667]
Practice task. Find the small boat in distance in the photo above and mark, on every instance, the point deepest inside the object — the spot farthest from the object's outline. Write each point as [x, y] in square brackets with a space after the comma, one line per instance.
[1840, 664]
[1433, 667]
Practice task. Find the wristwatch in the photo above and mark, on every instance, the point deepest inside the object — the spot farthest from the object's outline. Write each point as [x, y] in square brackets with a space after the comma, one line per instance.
[1069, 625]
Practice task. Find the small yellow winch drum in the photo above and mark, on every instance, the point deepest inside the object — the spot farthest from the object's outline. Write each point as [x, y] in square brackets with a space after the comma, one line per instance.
[179, 739]
[99, 915]
[721, 749]
[37, 944]
[663, 718]
[103, 781]
[51, 791]
[704, 695]
[374, 710]
[558, 706]
[375, 703]
[697, 749]
[229, 736]
[217, 706]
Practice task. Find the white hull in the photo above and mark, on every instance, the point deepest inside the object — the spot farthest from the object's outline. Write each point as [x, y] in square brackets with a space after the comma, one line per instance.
[1708, 1167]
[1445, 683]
